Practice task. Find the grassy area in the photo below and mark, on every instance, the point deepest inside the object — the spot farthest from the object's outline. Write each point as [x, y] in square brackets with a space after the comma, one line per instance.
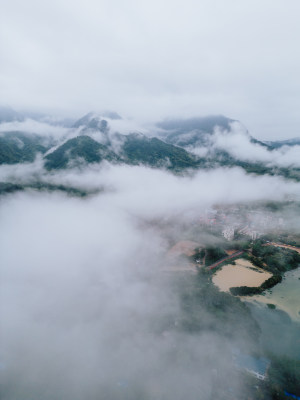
[274, 259]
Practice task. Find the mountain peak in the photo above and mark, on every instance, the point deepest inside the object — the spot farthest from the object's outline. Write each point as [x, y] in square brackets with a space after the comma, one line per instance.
[93, 120]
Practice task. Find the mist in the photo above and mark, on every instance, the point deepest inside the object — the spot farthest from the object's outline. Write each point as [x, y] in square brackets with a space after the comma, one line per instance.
[235, 141]
[94, 301]
[31, 126]
[145, 191]
[238, 144]
[87, 308]
[153, 60]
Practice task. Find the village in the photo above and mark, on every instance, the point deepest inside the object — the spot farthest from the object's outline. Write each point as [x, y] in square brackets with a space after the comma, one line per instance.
[235, 221]
[250, 253]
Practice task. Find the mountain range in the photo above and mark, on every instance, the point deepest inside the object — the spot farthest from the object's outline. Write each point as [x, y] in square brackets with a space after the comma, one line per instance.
[170, 144]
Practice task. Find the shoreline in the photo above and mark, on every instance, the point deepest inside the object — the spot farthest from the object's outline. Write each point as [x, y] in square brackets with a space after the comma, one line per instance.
[242, 273]
[285, 296]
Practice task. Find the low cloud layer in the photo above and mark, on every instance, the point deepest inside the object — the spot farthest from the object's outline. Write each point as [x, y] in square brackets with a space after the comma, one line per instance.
[141, 190]
[31, 126]
[239, 145]
[86, 309]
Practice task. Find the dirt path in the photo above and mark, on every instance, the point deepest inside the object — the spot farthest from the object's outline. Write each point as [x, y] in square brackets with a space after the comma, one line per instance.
[285, 246]
[236, 254]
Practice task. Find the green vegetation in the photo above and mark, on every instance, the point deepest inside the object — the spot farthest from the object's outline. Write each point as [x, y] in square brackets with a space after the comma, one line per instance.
[204, 307]
[214, 254]
[17, 147]
[209, 254]
[8, 188]
[284, 237]
[76, 150]
[248, 291]
[156, 153]
[284, 373]
[135, 150]
[274, 259]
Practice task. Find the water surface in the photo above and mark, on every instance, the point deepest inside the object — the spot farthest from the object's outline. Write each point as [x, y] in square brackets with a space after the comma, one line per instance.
[285, 295]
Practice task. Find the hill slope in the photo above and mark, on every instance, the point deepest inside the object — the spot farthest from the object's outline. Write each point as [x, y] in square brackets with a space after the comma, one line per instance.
[17, 147]
[76, 150]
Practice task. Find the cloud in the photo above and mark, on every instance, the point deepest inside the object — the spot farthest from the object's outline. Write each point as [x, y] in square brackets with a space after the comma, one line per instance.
[79, 56]
[85, 306]
[85, 309]
[34, 127]
[126, 126]
[238, 144]
[22, 173]
[144, 191]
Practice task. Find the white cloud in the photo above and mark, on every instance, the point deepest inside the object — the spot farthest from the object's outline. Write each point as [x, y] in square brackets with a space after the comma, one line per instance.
[34, 127]
[77, 56]
[145, 191]
[85, 308]
[238, 144]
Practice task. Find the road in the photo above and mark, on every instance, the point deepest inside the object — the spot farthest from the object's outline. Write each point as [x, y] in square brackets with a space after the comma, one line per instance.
[285, 246]
[236, 254]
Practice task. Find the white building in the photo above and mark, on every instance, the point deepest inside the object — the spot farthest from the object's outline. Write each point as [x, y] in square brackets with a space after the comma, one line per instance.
[250, 232]
[228, 233]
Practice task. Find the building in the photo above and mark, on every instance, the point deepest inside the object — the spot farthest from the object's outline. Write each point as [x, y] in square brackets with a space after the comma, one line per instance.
[256, 366]
[228, 233]
[247, 231]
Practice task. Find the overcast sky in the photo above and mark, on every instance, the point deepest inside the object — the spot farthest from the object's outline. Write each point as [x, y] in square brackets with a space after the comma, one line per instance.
[151, 59]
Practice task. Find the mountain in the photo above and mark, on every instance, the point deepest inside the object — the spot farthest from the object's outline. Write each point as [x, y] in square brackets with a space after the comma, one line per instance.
[83, 121]
[192, 131]
[139, 149]
[197, 132]
[77, 150]
[111, 115]
[7, 114]
[204, 124]
[96, 121]
[134, 149]
[176, 145]
[16, 147]
[280, 143]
